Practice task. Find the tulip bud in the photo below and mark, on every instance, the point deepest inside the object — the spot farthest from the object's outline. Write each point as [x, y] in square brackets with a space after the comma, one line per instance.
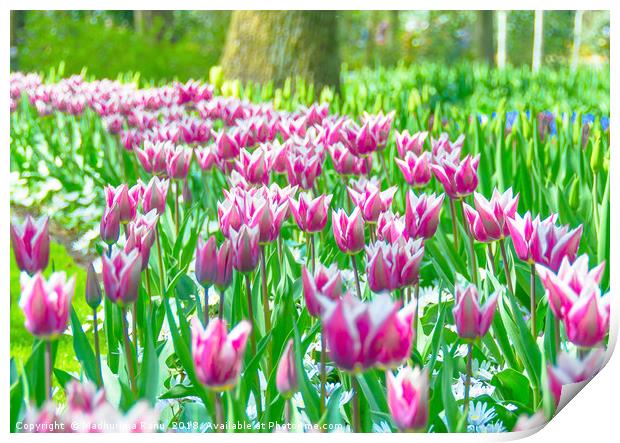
[286, 375]
[155, 194]
[110, 226]
[93, 289]
[598, 156]
[349, 230]
[326, 282]
[587, 321]
[310, 215]
[214, 266]
[218, 354]
[569, 370]
[422, 214]
[186, 193]
[472, 320]
[245, 248]
[121, 276]
[46, 303]
[31, 244]
[407, 396]
[573, 195]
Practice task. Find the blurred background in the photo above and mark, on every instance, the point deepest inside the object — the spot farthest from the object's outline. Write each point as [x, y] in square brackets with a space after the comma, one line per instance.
[321, 46]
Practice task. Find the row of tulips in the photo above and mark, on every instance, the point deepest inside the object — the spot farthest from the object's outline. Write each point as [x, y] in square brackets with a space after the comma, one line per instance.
[275, 194]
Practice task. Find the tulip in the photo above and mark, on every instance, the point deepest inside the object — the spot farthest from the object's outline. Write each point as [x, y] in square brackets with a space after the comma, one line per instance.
[364, 140]
[569, 370]
[390, 227]
[459, 178]
[245, 248]
[206, 157]
[93, 288]
[286, 375]
[422, 214]
[407, 396]
[380, 125]
[413, 143]
[228, 146]
[346, 163]
[543, 242]
[121, 276]
[153, 156]
[349, 230]
[255, 166]
[372, 201]
[567, 285]
[110, 225]
[303, 167]
[472, 320]
[217, 354]
[178, 160]
[84, 398]
[326, 282]
[443, 146]
[46, 303]
[587, 321]
[45, 420]
[416, 169]
[310, 214]
[31, 244]
[126, 201]
[393, 266]
[487, 222]
[361, 335]
[141, 237]
[214, 266]
[155, 194]
[269, 217]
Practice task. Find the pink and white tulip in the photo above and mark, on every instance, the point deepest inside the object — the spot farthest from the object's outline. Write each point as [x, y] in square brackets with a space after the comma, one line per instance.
[286, 374]
[31, 244]
[458, 177]
[121, 276]
[349, 230]
[416, 169]
[487, 222]
[214, 266]
[472, 320]
[408, 398]
[310, 214]
[326, 282]
[422, 214]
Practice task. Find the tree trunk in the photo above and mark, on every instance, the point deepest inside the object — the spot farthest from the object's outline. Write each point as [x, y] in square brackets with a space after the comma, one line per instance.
[144, 21]
[485, 36]
[538, 41]
[576, 40]
[273, 45]
[501, 39]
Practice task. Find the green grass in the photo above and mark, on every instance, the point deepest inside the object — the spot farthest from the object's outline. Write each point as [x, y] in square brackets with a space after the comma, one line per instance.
[21, 339]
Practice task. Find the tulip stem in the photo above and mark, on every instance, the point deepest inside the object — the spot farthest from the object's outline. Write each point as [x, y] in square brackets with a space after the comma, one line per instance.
[357, 426]
[556, 329]
[490, 258]
[416, 294]
[454, 222]
[468, 374]
[221, 312]
[502, 248]
[48, 369]
[266, 312]
[147, 276]
[97, 348]
[248, 292]
[312, 248]
[206, 305]
[357, 277]
[384, 166]
[219, 412]
[287, 411]
[474, 266]
[128, 353]
[533, 299]
[176, 207]
[160, 257]
[323, 372]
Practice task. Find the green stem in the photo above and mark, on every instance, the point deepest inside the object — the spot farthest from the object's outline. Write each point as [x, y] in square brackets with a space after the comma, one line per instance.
[219, 412]
[48, 369]
[128, 353]
[533, 299]
[502, 247]
[472, 251]
[97, 348]
[221, 312]
[248, 292]
[454, 223]
[323, 372]
[265, 294]
[160, 258]
[176, 207]
[468, 375]
[312, 247]
[416, 295]
[357, 426]
[490, 258]
[357, 277]
[206, 306]
[384, 166]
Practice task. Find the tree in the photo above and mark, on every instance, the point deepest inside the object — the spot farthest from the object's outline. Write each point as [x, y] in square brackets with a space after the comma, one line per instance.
[538, 41]
[576, 40]
[484, 34]
[501, 38]
[273, 45]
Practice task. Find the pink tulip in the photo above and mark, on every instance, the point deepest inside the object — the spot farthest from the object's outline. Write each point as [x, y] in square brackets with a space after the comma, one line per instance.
[372, 201]
[587, 321]
[364, 140]
[310, 214]
[413, 143]
[206, 157]
[255, 166]
[393, 266]
[84, 397]
[487, 222]
[126, 200]
[407, 396]
[269, 217]
[567, 285]
[217, 354]
[286, 375]
[569, 370]
[303, 167]
[380, 125]
[543, 242]
[361, 335]
[349, 230]
[178, 160]
[346, 163]
[93, 288]
[141, 236]
[443, 146]
[155, 194]
[110, 224]
[228, 146]
[153, 156]
[458, 177]
[121, 276]
[422, 214]
[390, 227]
[214, 266]
[45, 420]
[245, 248]
[31, 244]
[326, 282]
[472, 320]
[416, 169]
[46, 303]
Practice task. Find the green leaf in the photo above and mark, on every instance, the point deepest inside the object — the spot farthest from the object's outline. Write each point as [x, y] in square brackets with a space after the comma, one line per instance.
[513, 385]
[83, 351]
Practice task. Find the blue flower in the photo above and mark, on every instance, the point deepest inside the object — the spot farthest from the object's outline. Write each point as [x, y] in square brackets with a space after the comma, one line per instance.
[605, 124]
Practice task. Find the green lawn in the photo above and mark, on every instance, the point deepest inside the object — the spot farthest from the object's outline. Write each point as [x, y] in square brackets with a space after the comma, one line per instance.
[21, 340]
